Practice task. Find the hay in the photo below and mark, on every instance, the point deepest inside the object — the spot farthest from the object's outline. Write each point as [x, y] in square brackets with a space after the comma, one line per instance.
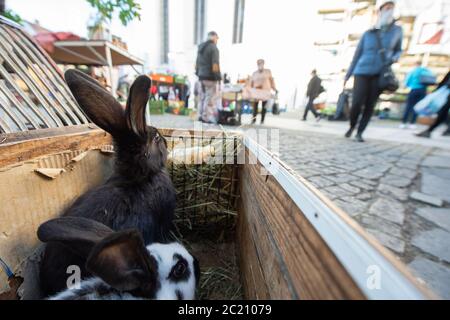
[207, 209]
[206, 190]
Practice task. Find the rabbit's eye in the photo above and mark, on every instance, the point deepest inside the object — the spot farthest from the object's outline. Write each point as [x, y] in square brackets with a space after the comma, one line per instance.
[179, 270]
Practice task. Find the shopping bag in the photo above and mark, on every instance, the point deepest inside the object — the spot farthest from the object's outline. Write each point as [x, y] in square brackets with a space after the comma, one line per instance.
[342, 106]
[433, 102]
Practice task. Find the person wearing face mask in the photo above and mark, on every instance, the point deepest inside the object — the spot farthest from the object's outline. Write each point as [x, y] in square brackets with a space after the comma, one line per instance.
[368, 61]
[262, 79]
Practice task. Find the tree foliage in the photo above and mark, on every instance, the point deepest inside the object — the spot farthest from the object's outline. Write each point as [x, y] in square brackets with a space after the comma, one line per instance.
[128, 9]
[11, 16]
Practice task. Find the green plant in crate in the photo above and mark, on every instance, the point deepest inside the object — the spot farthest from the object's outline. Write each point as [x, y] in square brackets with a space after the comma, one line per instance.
[329, 110]
[157, 106]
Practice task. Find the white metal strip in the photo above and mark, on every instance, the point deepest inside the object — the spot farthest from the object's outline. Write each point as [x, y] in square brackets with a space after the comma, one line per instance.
[355, 253]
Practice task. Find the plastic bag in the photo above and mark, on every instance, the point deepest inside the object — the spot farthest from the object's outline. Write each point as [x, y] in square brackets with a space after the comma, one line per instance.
[433, 102]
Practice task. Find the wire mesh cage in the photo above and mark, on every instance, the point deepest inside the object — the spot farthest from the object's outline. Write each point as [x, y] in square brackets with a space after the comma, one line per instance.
[205, 174]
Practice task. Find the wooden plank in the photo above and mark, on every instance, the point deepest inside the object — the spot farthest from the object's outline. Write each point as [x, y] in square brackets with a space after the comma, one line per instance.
[255, 287]
[312, 267]
[55, 141]
[269, 262]
[39, 74]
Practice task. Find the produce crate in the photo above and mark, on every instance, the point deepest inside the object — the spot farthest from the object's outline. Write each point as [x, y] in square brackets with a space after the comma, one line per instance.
[259, 230]
[157, 106]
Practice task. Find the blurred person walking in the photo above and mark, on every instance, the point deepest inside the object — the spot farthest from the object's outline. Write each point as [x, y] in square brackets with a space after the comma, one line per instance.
[208, 72]
[262, 80]
[314, 90]
[417, 81]
[378, 48]
[197, 96]
[442, 114]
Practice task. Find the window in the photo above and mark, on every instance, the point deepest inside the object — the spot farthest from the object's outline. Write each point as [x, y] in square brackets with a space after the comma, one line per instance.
[238, 25]
[165, 31]
[199, 21]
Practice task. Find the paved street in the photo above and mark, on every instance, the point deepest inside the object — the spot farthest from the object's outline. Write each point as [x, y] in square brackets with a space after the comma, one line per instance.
[395, 185]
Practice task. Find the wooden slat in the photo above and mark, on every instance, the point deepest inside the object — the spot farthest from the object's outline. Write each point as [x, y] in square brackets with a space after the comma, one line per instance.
[19, 106]
[24, 75]
[38, 143]
[41, 56]
[3, 124]
[27, 99]
[7, 92]
[47, 87]
[6, 108]
[47, 65]
[311, 267]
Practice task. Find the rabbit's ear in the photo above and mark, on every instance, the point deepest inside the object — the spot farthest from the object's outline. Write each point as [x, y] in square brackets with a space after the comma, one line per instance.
[123, 262]
[136, 105]
[79, 234]
[98, 104]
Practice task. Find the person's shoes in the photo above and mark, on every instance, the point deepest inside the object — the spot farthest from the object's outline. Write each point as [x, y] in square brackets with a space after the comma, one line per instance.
[348, 134]
[424, 134]
[359, 138]
[303, 119]
[446, 133]
[412, 126]
[402, 126]
[318, 118]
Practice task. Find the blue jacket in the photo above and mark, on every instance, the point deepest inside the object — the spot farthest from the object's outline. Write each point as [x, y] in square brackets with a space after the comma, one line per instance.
[367, 58]
[412, 80]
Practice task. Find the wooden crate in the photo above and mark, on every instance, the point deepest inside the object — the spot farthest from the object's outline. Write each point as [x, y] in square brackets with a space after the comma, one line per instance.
[293, 242]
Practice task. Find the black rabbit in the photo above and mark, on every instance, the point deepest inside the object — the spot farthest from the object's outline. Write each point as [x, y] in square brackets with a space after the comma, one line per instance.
[139, 194]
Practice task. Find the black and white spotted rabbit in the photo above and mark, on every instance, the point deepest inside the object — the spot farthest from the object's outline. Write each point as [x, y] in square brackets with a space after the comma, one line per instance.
[139, 194]
[122, 267]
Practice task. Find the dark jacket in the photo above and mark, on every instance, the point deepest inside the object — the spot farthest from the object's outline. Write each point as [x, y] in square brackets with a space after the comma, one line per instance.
[314, 87]
[208, 54]
[367, 59]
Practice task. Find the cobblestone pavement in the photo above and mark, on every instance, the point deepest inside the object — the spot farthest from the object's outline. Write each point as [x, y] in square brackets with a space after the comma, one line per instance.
[373, 182]
[400, 193]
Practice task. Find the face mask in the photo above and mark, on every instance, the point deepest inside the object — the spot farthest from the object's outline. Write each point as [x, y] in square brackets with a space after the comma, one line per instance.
[385, 18]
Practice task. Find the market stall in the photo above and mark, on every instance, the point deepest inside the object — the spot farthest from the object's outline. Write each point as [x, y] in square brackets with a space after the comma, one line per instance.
[170, 94]
[260, 231]
[232, 101]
